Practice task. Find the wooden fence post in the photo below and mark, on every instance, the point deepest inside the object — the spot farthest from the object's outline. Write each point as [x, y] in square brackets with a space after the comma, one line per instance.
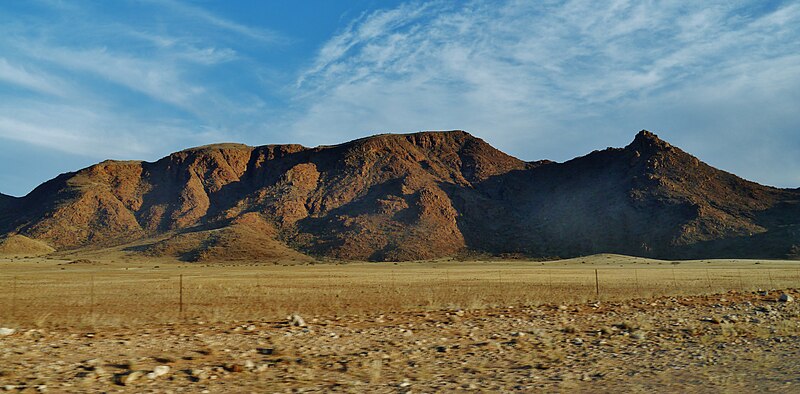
[741, 283]
[597, 284]
[771, 284]
[91, 297]
[180, 302]
[14, 299]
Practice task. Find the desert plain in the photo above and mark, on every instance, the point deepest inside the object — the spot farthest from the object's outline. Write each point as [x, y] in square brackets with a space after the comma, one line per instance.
[603, 323]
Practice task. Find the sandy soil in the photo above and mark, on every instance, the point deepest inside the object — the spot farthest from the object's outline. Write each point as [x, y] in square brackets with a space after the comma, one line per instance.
[729, 342]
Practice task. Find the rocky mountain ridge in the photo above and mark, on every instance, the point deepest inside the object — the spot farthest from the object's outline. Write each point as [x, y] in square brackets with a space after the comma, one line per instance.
[407, 197]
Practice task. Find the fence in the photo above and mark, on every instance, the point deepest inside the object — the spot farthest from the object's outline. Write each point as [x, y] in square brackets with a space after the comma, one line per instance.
[128, 297]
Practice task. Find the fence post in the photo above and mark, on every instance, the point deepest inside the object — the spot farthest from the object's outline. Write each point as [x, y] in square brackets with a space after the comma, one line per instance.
[180, 302]
[14, 299]
[771, 284]
[741, 283]
[708, 279]
[91, 298]
[636, 278]
[597, 284]
[674, 279]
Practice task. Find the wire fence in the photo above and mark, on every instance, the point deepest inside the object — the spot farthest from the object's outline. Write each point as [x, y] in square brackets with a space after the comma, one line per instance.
[130, 298]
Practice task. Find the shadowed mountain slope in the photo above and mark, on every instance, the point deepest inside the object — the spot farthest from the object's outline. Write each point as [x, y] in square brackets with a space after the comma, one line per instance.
[405, 197]
[647, 199]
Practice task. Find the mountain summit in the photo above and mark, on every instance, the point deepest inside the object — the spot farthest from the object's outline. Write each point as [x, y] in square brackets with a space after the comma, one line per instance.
[406, 197]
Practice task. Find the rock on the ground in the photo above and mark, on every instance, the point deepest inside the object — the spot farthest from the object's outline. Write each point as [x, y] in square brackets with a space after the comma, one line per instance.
[297, 320]
[6, 331]
[158, 371]
[785, 298]
[128, 378]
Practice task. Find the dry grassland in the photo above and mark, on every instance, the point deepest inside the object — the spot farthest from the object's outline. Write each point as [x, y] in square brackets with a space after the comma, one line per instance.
[48, 292]
[597, 324]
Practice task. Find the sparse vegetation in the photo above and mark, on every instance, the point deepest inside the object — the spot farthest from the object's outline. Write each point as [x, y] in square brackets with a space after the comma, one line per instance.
[87, 292]
[99, 325]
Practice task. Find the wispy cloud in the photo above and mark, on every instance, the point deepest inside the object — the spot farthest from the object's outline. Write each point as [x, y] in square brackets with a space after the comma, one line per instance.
[109, 62]
[549, 79]
[36, 81]
[260, 34]
[555, 79]
[95, 131]
[123, 83]
[157, 79]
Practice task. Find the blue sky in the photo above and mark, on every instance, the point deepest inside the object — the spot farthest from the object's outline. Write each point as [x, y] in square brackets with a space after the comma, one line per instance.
[81, 82]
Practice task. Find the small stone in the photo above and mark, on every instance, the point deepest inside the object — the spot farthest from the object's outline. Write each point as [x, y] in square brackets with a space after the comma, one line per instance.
[731, 318]
[158, 371]
[165, 359]
[577, 341]
[249, 364]
[297, 320]
[129, 378]
[4, 332]
[198, 374]
[638, 335]
[785, 298]
[9, 387]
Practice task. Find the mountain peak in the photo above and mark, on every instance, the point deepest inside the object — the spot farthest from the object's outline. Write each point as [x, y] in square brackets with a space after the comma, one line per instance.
[648, 142]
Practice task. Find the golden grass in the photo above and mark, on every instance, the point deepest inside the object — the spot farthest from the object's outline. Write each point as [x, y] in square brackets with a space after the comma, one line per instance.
[51, 293]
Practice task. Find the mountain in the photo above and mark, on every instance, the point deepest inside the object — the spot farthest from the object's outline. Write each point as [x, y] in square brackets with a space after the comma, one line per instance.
[406, 197]
[648, 199]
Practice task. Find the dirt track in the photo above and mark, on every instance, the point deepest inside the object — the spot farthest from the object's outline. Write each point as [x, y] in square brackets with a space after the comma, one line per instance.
[728, 342]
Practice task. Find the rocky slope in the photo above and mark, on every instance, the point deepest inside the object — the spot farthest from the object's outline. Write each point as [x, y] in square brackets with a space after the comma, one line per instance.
[649, 198]
[413, 196]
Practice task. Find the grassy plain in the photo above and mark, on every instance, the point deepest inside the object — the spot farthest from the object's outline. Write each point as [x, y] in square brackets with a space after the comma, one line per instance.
[114, 292]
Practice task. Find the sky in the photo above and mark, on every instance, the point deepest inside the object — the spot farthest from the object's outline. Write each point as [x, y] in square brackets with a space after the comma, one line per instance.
[85, 81]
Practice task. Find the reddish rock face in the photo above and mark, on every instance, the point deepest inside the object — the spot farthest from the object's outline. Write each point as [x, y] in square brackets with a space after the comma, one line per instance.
[406, 197]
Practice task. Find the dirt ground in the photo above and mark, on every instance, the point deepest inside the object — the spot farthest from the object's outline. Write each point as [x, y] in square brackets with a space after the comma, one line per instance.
[729, 342]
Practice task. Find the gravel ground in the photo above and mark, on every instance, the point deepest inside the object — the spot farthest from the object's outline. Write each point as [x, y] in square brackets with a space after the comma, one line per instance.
[729, 342]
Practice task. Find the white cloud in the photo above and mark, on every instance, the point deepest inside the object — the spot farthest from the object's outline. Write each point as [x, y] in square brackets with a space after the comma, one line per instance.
[99, 132]
[158, 79]
[85, 76]
[39, 82]
[550, 79]
[555, 79]
[192, 12]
